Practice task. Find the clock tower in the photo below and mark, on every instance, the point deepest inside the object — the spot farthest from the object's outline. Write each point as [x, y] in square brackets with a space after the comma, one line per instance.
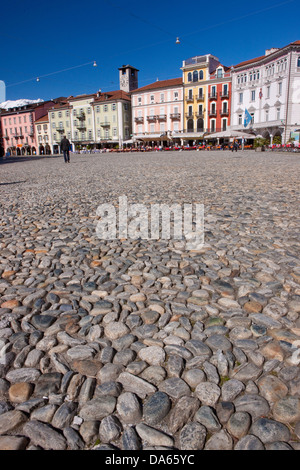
[128, 78]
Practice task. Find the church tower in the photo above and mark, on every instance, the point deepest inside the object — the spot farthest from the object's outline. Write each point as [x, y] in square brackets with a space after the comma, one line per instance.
[128, 78]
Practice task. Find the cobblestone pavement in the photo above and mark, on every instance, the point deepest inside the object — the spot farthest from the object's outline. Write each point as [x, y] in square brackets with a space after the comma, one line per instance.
[142, 344]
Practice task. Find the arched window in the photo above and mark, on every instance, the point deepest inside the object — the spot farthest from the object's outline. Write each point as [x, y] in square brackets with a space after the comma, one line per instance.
[201, 75]
[190, 125]
[195, 76]
[189, 76]
[298, 62]
[200, 125]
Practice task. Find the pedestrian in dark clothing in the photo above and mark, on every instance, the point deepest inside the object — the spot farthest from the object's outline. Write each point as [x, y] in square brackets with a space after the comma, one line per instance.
[65, 148]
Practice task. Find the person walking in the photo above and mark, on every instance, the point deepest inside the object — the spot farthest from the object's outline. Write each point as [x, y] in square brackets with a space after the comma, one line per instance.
[65, 148]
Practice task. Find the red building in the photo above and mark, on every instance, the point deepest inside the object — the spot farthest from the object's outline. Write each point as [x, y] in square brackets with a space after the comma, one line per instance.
[219, 99]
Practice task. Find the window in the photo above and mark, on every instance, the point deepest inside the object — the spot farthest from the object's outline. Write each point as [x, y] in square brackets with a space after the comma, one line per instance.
[105, 108]
[253, 95]
[240, 98]
[195, 76]
[252, 118]
[212, 125]
[59, 114]
[219, 73]
[114, 131]
[189, 76]
[213, 108]
[97, 109]
[162, 97]
[190, 110]
[268, 91]
[298, 62]
[175, 95]
[201, 75]
[280, 88]
[267, 115]
[67, 113]
[240, 120]
[278, 114]
[213, 91]
[151, 98]
[74, 112]
[200, 110]
[200, 92]
[190, 94]
[139, 100]
[224, 124]
[113, 106]
[90, 135]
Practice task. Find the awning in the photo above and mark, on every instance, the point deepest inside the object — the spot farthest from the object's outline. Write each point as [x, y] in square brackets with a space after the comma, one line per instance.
[230, 134]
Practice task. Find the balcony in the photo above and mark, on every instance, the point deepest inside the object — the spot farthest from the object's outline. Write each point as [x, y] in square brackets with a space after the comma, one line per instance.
[224, 94]
[81, 125]
[139, 119]
[190, 99]
[213, 96]
[175, 115]
[224, 112]
[199, 115]
[212, 113]
[81, 116]
[189, 115]
[105, 124]
[200, 98]
[60, 129]
[151, 118]
[161, 117]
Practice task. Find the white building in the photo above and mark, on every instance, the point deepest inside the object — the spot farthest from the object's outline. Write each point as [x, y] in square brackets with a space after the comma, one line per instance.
[268, 87]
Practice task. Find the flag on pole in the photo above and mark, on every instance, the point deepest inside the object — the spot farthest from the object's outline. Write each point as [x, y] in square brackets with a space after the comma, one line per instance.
[247, 118]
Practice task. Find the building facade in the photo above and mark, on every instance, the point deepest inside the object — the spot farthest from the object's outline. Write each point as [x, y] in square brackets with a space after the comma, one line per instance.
[196, 73]
[42, 132]
[267, 88]
[219, 99]
[18, 130]
[157, 112]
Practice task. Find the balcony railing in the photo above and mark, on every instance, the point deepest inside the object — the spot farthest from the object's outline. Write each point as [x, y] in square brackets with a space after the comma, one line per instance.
[175, 115]
[224, 112]
[189, 98]
[200, 98]
[139, 119]
[224, 94]
[105, 124]
[212, 113]
[161, 117]
[199, 115]
[151, 118]
[81, 125]
[189, 115]
[213, 96]
[60, 129]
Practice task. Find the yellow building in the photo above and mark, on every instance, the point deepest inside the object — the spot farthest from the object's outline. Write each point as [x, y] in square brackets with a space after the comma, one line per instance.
[196, 73]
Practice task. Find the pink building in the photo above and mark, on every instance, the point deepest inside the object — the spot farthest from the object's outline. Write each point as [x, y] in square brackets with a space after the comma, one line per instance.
[157, 113]
[18, 130]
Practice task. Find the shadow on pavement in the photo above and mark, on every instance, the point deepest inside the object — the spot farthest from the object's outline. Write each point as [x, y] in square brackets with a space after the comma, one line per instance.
[14, 159]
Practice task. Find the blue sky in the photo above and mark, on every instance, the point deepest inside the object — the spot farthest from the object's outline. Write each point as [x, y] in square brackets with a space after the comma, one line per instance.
[59, 40]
